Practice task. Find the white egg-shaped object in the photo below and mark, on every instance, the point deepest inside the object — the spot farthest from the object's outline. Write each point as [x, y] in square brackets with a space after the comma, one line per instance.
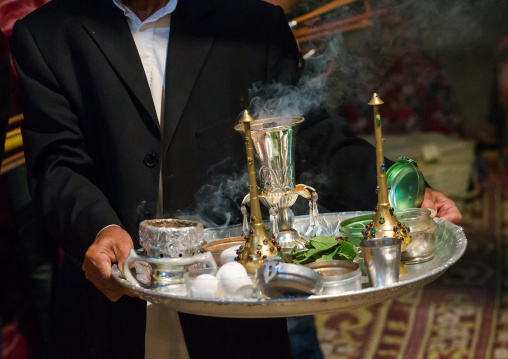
[237, 287]
[205, 286]
[231, 268]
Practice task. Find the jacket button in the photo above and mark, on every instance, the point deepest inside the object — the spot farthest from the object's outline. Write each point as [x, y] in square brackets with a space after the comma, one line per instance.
[150, 160]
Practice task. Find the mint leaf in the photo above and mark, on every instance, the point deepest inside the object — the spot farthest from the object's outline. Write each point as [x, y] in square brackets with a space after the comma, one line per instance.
[323, 243]
[330, 255]
[323, 249]
[347, 250]
[303, 260]
[312, 252]
[294, 250]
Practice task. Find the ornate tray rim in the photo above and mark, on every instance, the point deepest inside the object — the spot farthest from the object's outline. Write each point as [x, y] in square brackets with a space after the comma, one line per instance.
[265, 308]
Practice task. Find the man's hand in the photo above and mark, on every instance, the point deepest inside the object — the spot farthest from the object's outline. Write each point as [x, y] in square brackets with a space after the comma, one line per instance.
[441, 206]
[112, 245]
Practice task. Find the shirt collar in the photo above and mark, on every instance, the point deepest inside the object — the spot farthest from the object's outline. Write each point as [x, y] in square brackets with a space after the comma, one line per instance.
[136, 22]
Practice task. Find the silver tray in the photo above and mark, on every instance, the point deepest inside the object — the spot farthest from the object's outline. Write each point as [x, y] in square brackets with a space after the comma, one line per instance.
[450, 244]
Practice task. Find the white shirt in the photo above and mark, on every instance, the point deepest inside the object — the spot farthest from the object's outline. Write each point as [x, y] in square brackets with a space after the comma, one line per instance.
[151, 38]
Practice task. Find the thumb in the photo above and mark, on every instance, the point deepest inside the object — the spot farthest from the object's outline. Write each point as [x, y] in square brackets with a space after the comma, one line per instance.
[122, 251]
[119, 242]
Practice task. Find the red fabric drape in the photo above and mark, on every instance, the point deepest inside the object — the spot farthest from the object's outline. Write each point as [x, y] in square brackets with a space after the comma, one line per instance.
[12, 10]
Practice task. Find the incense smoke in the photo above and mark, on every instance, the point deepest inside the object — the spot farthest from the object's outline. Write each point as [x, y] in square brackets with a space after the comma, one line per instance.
[340, 68]
[219, 201]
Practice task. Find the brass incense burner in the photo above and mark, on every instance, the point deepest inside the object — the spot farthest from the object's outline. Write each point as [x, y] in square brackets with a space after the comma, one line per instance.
[258, 244]
[384, 223]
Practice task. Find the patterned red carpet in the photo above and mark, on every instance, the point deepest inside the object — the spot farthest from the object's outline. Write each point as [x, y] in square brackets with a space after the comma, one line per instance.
[463, 314]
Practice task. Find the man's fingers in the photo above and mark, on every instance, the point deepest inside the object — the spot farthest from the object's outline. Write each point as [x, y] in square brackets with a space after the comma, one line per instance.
[122, 254]
[450, 212]
[112, 245]
[441, 206]
[429, 203]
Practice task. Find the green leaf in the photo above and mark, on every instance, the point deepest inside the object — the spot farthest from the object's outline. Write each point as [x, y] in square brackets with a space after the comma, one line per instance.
[340, 257]
[347, 250]
[323, 243]
[300, 255]
[330, 255]
[312, 252]
[294, 250]
[303, 260]
[323, 249]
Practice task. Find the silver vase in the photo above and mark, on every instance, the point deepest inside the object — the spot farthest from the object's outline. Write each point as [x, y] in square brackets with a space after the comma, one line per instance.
[273, 140]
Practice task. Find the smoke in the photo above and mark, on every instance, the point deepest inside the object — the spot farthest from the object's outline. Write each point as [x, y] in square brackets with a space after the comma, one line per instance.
[340, 66]
[219, 201]
[289, 101]
[446, 23]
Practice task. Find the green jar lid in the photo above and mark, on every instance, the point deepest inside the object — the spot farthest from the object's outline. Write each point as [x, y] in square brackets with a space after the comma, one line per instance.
[351, 228]
[407, 184]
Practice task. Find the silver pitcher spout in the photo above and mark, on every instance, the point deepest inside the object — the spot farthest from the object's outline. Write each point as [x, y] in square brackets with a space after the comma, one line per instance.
[273, 140]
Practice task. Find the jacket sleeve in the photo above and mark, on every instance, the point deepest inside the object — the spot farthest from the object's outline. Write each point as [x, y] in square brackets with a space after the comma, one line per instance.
[63, 177]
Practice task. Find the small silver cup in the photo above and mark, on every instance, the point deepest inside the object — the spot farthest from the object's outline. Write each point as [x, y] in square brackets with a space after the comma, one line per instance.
[382, 260]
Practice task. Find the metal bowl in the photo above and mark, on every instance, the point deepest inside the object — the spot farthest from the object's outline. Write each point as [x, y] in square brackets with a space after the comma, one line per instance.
[338, 275]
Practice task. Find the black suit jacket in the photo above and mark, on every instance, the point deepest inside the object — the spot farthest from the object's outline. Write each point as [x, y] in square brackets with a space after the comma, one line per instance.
[94, 147]
[94, 144]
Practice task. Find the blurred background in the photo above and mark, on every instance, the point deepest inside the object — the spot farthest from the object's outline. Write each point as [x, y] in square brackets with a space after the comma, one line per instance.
[441, 67]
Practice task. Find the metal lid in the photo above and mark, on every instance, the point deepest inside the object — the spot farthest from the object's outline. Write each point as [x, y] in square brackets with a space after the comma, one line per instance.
[407, 184]
[282, 280]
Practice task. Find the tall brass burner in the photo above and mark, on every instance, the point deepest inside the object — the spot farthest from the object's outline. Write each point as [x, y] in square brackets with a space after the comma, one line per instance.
[258, 244]
[384, 223]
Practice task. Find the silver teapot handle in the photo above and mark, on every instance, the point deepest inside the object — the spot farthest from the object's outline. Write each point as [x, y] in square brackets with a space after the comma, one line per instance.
[205, 258]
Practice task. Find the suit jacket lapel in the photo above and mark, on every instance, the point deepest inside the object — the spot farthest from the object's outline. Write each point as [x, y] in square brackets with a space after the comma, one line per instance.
[111, 32]
[190, 40]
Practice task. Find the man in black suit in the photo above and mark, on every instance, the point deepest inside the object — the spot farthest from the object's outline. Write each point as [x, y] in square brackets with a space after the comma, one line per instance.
[96, 146]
